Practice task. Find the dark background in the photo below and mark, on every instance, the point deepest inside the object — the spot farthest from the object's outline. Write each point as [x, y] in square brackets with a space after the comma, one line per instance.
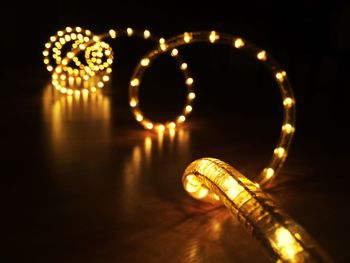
[236, 108]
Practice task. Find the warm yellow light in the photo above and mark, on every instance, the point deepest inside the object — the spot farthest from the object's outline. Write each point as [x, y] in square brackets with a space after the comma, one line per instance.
[279, 76]
[112, 33]
[288, 128]
[45, 53]
[187, 37]
[280, 152]
[238, 43]
[139, 117]
[69, 92]
[161, 128]
[63, 90]
[286, 243]
[288, 102]
[85, 91]
[49, 68]
[188, 109]
[133, 103]
[78, 29]
[60, 33]
[129, 31]
[161, 41]
[145, 62]
[189, 81]
[261, 55]
[184, 66]
[174, 52]
[269, 172]
[181, 118]
[172, 125]
[100, 84]
[191, 95]
[202, 192]
[146, 34]
[213, 36]
[135, 82]
[93, 89]
[105, 78]
[149, 126]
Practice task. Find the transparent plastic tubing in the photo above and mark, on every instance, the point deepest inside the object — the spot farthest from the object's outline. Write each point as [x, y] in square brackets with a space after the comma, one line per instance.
[283, 240]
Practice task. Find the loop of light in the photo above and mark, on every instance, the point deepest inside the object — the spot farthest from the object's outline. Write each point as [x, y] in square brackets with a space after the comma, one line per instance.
[284, 240]
[288, 102]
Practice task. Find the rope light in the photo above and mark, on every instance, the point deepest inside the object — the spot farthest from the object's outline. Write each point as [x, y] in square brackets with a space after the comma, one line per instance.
[284, 240]
[85, 66]
[81, 61]
[288, 101]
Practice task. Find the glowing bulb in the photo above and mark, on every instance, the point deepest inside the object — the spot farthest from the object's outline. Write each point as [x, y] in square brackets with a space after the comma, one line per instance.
[93, 89]
[191, 95]
[172, 125]
[261, 55]
[70, 55]
[49, 68]
[269, 172]
[183, 66]
[146, 34]
[129, 31]
[213, 37]
[145, 62]
[188, 109]
[280, 152]
[112, 33]
[139, 117]
[187, 37]
[279, 76]
[100, 84]
[135, 82]
[45, 53]
[181, 118]
[288, 102]
[149, 126]
[133, 103]
[105, 78]
[70, 92]
[161, 128]
[239, 43]
[174, 52]
[189, 81]
[288, 128]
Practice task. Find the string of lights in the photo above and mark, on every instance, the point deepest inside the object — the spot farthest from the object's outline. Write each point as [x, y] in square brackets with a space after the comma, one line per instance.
[81, 61]
[206, 179]
[284, 240]
[288, 102]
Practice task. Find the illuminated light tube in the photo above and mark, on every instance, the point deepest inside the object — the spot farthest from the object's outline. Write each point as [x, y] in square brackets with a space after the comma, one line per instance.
[261, 55]
[81, 60]
[283, 240]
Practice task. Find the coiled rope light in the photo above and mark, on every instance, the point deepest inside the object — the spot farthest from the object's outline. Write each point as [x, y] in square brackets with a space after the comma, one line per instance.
[288, 102]
[74, 73]
[206, 179]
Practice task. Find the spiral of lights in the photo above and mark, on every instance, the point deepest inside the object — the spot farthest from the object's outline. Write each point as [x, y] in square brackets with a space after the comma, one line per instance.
[288, 102]
[81, 61]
